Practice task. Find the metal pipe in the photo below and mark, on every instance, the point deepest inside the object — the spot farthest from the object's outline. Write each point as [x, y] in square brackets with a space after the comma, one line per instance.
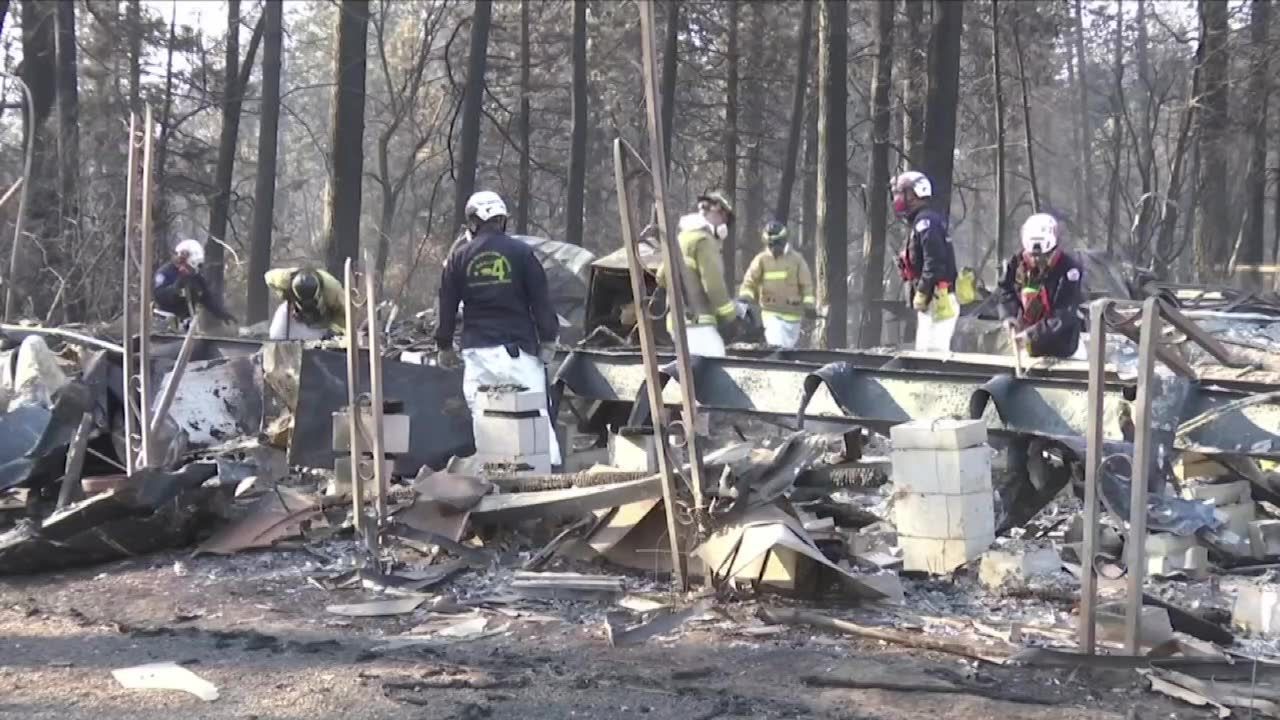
[175, 377]
[1093, 462]
[380, 478]
[679, 562]
[673, 260]
[74, 338]
[70, 489]
[131, 420]
[144, 292]
[353, 409]
[28, 131]
[1143, 452]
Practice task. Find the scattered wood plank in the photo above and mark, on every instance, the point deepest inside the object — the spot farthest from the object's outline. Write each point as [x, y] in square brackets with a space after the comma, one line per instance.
[954, 647]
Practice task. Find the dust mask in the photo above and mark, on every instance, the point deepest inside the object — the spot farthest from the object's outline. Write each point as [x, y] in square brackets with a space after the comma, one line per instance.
[900, 207]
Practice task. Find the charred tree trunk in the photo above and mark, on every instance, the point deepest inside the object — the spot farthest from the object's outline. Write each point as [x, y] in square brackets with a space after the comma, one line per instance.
[809, 185]
[944, 99]
[1085, 149]
[914, 84]
[998, 84]
[1213, 220]
[1028, 137]
[237, 77]
[39, 72]
[753, 206]
[833, 205]
[1164, 250]
[578, 151]
[472, 104]
[1253, 246]
[68, 114]
[728, 249]
[670, 69]
[134, 16]
[873, 247]
[799, 90]
[523, 208]
[264, 190]
[1117, 136]
[342, 234]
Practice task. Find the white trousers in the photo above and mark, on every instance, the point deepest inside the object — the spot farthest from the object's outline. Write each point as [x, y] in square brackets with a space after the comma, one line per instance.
[285, 327]
[495, 366]
[936, 334]
[779, 331]
[704, 340]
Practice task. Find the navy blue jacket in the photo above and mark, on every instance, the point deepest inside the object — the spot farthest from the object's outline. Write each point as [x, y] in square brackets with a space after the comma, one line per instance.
[1046, 305]
[173, 288]
[931, 258]
[504, 296]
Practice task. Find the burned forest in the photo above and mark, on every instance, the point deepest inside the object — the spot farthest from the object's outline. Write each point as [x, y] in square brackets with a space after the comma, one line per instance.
[525, 359]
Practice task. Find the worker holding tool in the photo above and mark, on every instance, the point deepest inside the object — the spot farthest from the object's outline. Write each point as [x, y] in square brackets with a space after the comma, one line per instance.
[710, 314]
[1040, 292]
[927, 263]
[312, 304]
[779, 282]
[180, 288]
[509, 326]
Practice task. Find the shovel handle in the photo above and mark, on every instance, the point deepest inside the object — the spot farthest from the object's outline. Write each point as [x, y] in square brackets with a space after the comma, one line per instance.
[1017, 352]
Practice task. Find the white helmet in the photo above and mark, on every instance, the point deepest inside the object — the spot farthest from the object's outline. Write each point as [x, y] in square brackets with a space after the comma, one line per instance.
[193, 251]
[485, 205]
[917, 182]
[1039, 234]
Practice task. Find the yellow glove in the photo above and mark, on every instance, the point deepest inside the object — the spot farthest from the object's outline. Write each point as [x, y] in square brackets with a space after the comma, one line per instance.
[943, 308]
[920, 302]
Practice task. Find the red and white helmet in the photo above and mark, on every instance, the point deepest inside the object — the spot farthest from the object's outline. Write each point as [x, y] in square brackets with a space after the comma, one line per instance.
[917, 182]
[1039, 234]
[192, 250]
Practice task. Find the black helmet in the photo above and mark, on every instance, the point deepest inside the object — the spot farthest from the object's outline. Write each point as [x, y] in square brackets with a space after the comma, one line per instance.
[305, 286]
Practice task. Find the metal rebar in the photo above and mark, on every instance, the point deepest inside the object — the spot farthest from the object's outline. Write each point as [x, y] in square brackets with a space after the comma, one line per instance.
[679, 562]
[353, 379]
[1143, 451]
[673, 260]
[144, 292]
[1093, 462]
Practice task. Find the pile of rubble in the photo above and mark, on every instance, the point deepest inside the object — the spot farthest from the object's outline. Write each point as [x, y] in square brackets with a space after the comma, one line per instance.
[903, 539]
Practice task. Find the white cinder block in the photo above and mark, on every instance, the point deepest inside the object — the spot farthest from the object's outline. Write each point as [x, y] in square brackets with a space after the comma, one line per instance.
[1257, 609]
[942, 472]
[395, 432]
[510, 400]
[1236, 518]
[1161, 544]
[939, 434]
[511, 437]
[943, 517]
[1001, 569]
[939, 557]
[1221, 494]
[633, 452]
[1264, 536]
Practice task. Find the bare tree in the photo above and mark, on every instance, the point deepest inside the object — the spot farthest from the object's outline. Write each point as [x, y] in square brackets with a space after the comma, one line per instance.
[915, 83]
[472, 105]
[728, 249]
[670, 68]
[1028, 137]
[234, 82]
[997, 82]
[943, 99]
[799, 90]
[68, 113]
[1085, 149]
[1117, 136]
[342, 231]
[833, 171]
[809, 185]
[578, 150]
[1253, 245]
[873, 248]
[526, 173]
[264, 191]
[752, 208]
[1210, 241]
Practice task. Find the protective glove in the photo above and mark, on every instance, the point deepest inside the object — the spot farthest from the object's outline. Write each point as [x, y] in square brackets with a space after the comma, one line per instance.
[810, 313]
[920, 302]
[448, 358]
[741, 308]
[546, 352]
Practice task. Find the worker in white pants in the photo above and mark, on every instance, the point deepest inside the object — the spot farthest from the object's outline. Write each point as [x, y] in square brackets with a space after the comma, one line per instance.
[710, 313]
[779, 282]
[927, 263]
[509, 326]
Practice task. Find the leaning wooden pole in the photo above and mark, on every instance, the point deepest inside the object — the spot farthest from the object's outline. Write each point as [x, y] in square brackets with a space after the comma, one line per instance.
[129, 321]
[144, 293]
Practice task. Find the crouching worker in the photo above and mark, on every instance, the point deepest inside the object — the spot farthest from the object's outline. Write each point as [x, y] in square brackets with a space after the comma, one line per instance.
[312, 307]
[1040, 292]
[509, 326]
[180, 289]
[779, 281]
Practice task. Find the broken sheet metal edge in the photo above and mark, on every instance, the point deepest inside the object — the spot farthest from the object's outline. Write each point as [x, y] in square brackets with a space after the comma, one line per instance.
[527, 505]
[165, 676]
[1051, 408]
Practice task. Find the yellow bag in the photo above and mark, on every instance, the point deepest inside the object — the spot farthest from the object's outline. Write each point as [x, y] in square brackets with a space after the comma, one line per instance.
[967, 287]
[942, 307]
